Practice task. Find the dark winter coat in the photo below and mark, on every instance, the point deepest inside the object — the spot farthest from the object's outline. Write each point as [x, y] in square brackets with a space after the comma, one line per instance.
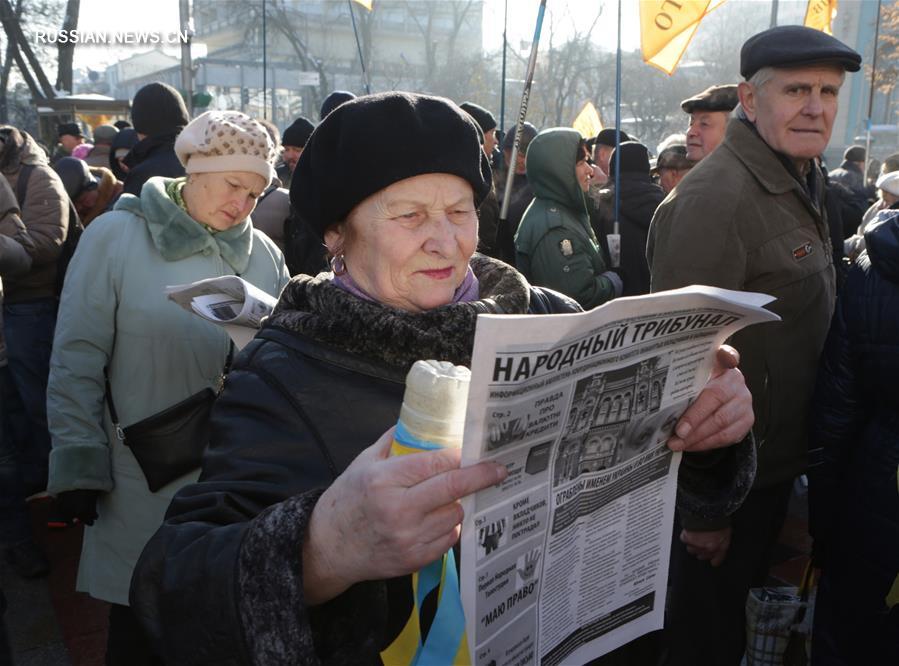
[152, 156]
[522, 195]
[854, 499]
[221, 582]
[741, 219]
[639, 199]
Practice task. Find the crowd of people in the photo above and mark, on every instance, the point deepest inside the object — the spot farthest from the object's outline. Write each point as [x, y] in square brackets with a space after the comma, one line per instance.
[266, 524]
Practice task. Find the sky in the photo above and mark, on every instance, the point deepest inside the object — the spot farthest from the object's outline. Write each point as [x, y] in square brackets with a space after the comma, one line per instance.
[563, 18]
[563, 15]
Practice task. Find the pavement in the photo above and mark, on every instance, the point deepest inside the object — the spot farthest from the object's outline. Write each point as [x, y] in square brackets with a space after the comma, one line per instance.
[49, 624]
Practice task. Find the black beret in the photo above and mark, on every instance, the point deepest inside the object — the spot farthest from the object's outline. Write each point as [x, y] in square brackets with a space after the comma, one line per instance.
[385, 138]
[854, 154]
[528, 132]
[334, 100]
[158, 109]
[481, 115]
[69, 128]
[606, 137]
[122, 124]
[713, 98]
[793, 46]
[634, 158]
[298, 133]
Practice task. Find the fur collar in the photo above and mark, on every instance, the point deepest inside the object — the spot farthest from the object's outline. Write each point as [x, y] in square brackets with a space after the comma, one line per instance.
[178, 236]
[317, 309]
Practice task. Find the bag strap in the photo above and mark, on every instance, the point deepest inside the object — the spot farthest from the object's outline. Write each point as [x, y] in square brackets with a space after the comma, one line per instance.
[22, 184]
[119, 431]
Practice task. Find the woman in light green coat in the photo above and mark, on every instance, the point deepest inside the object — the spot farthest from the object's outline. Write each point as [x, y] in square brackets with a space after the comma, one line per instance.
[114, 314]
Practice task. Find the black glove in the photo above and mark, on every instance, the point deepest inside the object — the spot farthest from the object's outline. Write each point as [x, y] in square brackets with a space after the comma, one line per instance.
[80, 505]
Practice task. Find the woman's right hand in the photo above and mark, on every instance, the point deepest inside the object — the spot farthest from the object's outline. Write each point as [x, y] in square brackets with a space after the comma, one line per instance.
[387, 516]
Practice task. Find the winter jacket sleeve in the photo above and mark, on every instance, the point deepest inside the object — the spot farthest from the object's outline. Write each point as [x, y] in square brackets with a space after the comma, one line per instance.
[837, 411]
[694, 240]
[46, 214]
[221, 582]
[572, 275]
[15, 243]
[85, 335]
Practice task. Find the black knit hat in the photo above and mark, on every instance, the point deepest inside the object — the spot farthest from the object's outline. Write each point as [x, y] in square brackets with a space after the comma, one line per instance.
[334, 100]
[386, 137]
[481, 116]
[854, 154]
[158, 109]
[71, 129]
[634, 158]
[298, 133]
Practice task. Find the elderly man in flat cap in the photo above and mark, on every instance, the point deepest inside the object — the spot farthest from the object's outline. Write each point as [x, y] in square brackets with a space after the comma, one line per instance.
[751, 217]
[708, 111]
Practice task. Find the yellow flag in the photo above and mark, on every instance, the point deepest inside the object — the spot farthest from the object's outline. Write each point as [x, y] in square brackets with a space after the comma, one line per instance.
[587, 121]
[666, 28]
[819, 15]
[364, 3]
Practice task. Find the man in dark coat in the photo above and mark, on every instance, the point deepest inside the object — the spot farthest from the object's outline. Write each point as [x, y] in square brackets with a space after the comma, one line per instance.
[639, 199]
[522, 193]
[750, 217]
[159, 114]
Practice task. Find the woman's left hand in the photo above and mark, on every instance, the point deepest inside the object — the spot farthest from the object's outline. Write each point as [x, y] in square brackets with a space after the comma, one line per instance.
[722, 414]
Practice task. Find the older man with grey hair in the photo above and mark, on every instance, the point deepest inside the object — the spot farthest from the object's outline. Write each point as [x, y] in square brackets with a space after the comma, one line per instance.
[751, 217]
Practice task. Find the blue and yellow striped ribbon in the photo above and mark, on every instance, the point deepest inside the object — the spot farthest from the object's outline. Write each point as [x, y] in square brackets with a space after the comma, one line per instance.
[446, 642]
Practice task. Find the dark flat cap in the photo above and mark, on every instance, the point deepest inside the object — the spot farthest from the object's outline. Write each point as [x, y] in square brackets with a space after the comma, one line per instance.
[528, 132]
[386, 138]
[854, 154]
[71, 129]
[105, 133]
[75, 175]
[673, 157]
[481, 115]
[606, 137]
[713, 98]
[794, 46]
[298, 133]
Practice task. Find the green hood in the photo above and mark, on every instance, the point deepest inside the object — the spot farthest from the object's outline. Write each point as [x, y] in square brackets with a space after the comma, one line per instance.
[550, 166]
[177, 235]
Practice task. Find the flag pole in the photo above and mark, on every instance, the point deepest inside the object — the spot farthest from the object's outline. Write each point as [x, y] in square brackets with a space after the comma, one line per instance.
[502, 99]
[871, 95]
[615, 228]
[522, 113]
[359, 49]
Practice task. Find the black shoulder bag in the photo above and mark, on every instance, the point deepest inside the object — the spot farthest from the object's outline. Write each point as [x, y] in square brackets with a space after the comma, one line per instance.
[170, 443]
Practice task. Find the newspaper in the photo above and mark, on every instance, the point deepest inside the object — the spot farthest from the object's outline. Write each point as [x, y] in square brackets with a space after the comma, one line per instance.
[567, 559]
[229, 301]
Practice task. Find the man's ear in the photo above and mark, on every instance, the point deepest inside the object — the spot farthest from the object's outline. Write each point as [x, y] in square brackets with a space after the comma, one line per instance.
[748, 99]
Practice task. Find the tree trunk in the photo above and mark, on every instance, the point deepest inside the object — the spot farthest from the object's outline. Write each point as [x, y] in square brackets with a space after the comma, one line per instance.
[6, 69]
[66, 52]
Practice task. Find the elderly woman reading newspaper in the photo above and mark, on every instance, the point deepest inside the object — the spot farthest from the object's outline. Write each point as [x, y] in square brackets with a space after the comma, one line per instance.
[296, 545]
[114, 315]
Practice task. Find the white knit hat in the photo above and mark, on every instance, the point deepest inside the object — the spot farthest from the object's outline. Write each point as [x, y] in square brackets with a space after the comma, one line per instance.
[226, 141]
[889, 182]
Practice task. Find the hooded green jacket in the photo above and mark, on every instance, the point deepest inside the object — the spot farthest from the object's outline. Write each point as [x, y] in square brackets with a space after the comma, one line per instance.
[555, 245]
